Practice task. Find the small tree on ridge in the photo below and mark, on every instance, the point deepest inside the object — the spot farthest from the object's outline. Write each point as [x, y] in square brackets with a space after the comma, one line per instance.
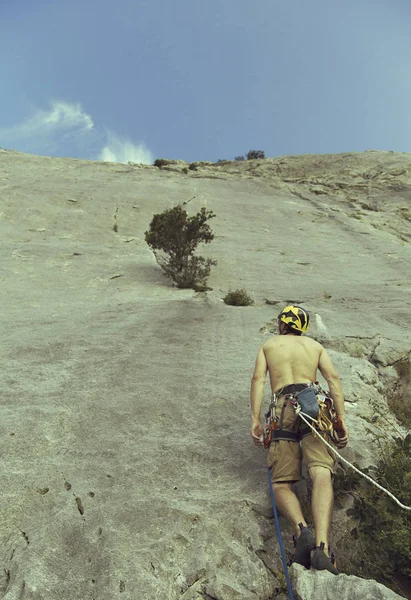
[251, 154]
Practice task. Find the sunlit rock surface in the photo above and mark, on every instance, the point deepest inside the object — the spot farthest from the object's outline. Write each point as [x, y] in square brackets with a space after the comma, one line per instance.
[311, 584]
[128, 470]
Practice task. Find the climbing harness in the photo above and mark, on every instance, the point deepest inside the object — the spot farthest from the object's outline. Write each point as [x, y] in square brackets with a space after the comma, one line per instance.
[279, 536]
[326, 423]
[313, 401]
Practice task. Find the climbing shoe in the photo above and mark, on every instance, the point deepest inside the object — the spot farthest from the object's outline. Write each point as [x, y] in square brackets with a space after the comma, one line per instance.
[321, 562]
[303, 546]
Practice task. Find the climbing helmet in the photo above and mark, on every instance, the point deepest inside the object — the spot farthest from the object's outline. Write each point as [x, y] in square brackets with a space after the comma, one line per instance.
[295, 317]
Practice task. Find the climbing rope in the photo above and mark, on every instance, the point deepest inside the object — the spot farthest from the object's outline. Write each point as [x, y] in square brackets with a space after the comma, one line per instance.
[304, 417]
[280, 539]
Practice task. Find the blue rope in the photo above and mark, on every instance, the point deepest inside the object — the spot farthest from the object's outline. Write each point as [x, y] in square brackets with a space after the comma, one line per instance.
[280, 539]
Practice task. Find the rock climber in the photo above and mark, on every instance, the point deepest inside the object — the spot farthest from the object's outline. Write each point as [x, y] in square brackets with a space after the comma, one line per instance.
[292, 361]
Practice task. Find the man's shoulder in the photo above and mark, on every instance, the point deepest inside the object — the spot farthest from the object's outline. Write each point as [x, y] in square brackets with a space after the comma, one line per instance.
[312, 343]
[311, 340]
[306, 340]
[272, 340]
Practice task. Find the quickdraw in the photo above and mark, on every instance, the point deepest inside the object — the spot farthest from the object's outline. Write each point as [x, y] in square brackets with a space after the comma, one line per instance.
[270, 422]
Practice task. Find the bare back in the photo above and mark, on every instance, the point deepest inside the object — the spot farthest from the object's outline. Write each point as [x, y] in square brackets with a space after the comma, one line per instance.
[291, 359]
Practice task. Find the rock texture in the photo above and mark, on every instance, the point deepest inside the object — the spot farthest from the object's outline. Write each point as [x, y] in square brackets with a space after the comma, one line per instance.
[128, 470]
[321, 584]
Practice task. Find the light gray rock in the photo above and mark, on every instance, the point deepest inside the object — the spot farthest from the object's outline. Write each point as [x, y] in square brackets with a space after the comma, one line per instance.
[127, 466]
[389, 352]
[310, 585]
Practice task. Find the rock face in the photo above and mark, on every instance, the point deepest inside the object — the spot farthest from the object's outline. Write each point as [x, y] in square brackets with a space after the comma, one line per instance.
[127, 467]
[311, 584]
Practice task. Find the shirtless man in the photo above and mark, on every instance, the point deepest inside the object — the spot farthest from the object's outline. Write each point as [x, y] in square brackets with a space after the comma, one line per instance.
[292, 359]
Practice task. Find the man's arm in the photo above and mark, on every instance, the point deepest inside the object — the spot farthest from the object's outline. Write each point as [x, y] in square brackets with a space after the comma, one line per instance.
[334, 385]
[256, 396]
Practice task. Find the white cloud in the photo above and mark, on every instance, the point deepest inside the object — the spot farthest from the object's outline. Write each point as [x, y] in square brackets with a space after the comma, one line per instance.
[67, 115]
[66, 130]
[122, 150]
[45, 130]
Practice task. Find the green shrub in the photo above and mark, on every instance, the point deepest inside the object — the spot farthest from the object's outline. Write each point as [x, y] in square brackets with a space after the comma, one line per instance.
[238, 298]
[174, 237]
[382, 528]
[185, 170]
[386, 526]
[193, 166]
[192, 275]
[251, 154]
[239, 158]
[161, 162]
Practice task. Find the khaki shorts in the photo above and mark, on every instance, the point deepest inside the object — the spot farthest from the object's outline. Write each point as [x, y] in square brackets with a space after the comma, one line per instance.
[285, 457]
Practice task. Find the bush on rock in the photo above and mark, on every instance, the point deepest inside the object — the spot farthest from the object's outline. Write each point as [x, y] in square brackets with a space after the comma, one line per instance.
[174, 236]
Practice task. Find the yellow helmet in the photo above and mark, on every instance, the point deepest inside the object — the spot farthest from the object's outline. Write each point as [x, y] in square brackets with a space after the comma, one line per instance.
[295, 317]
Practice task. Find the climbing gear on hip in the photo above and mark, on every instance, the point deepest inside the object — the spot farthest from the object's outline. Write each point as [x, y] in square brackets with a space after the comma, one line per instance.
[309, 398]
[327, 422]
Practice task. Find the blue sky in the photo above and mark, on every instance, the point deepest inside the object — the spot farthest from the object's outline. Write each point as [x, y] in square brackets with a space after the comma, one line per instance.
[135, 80]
